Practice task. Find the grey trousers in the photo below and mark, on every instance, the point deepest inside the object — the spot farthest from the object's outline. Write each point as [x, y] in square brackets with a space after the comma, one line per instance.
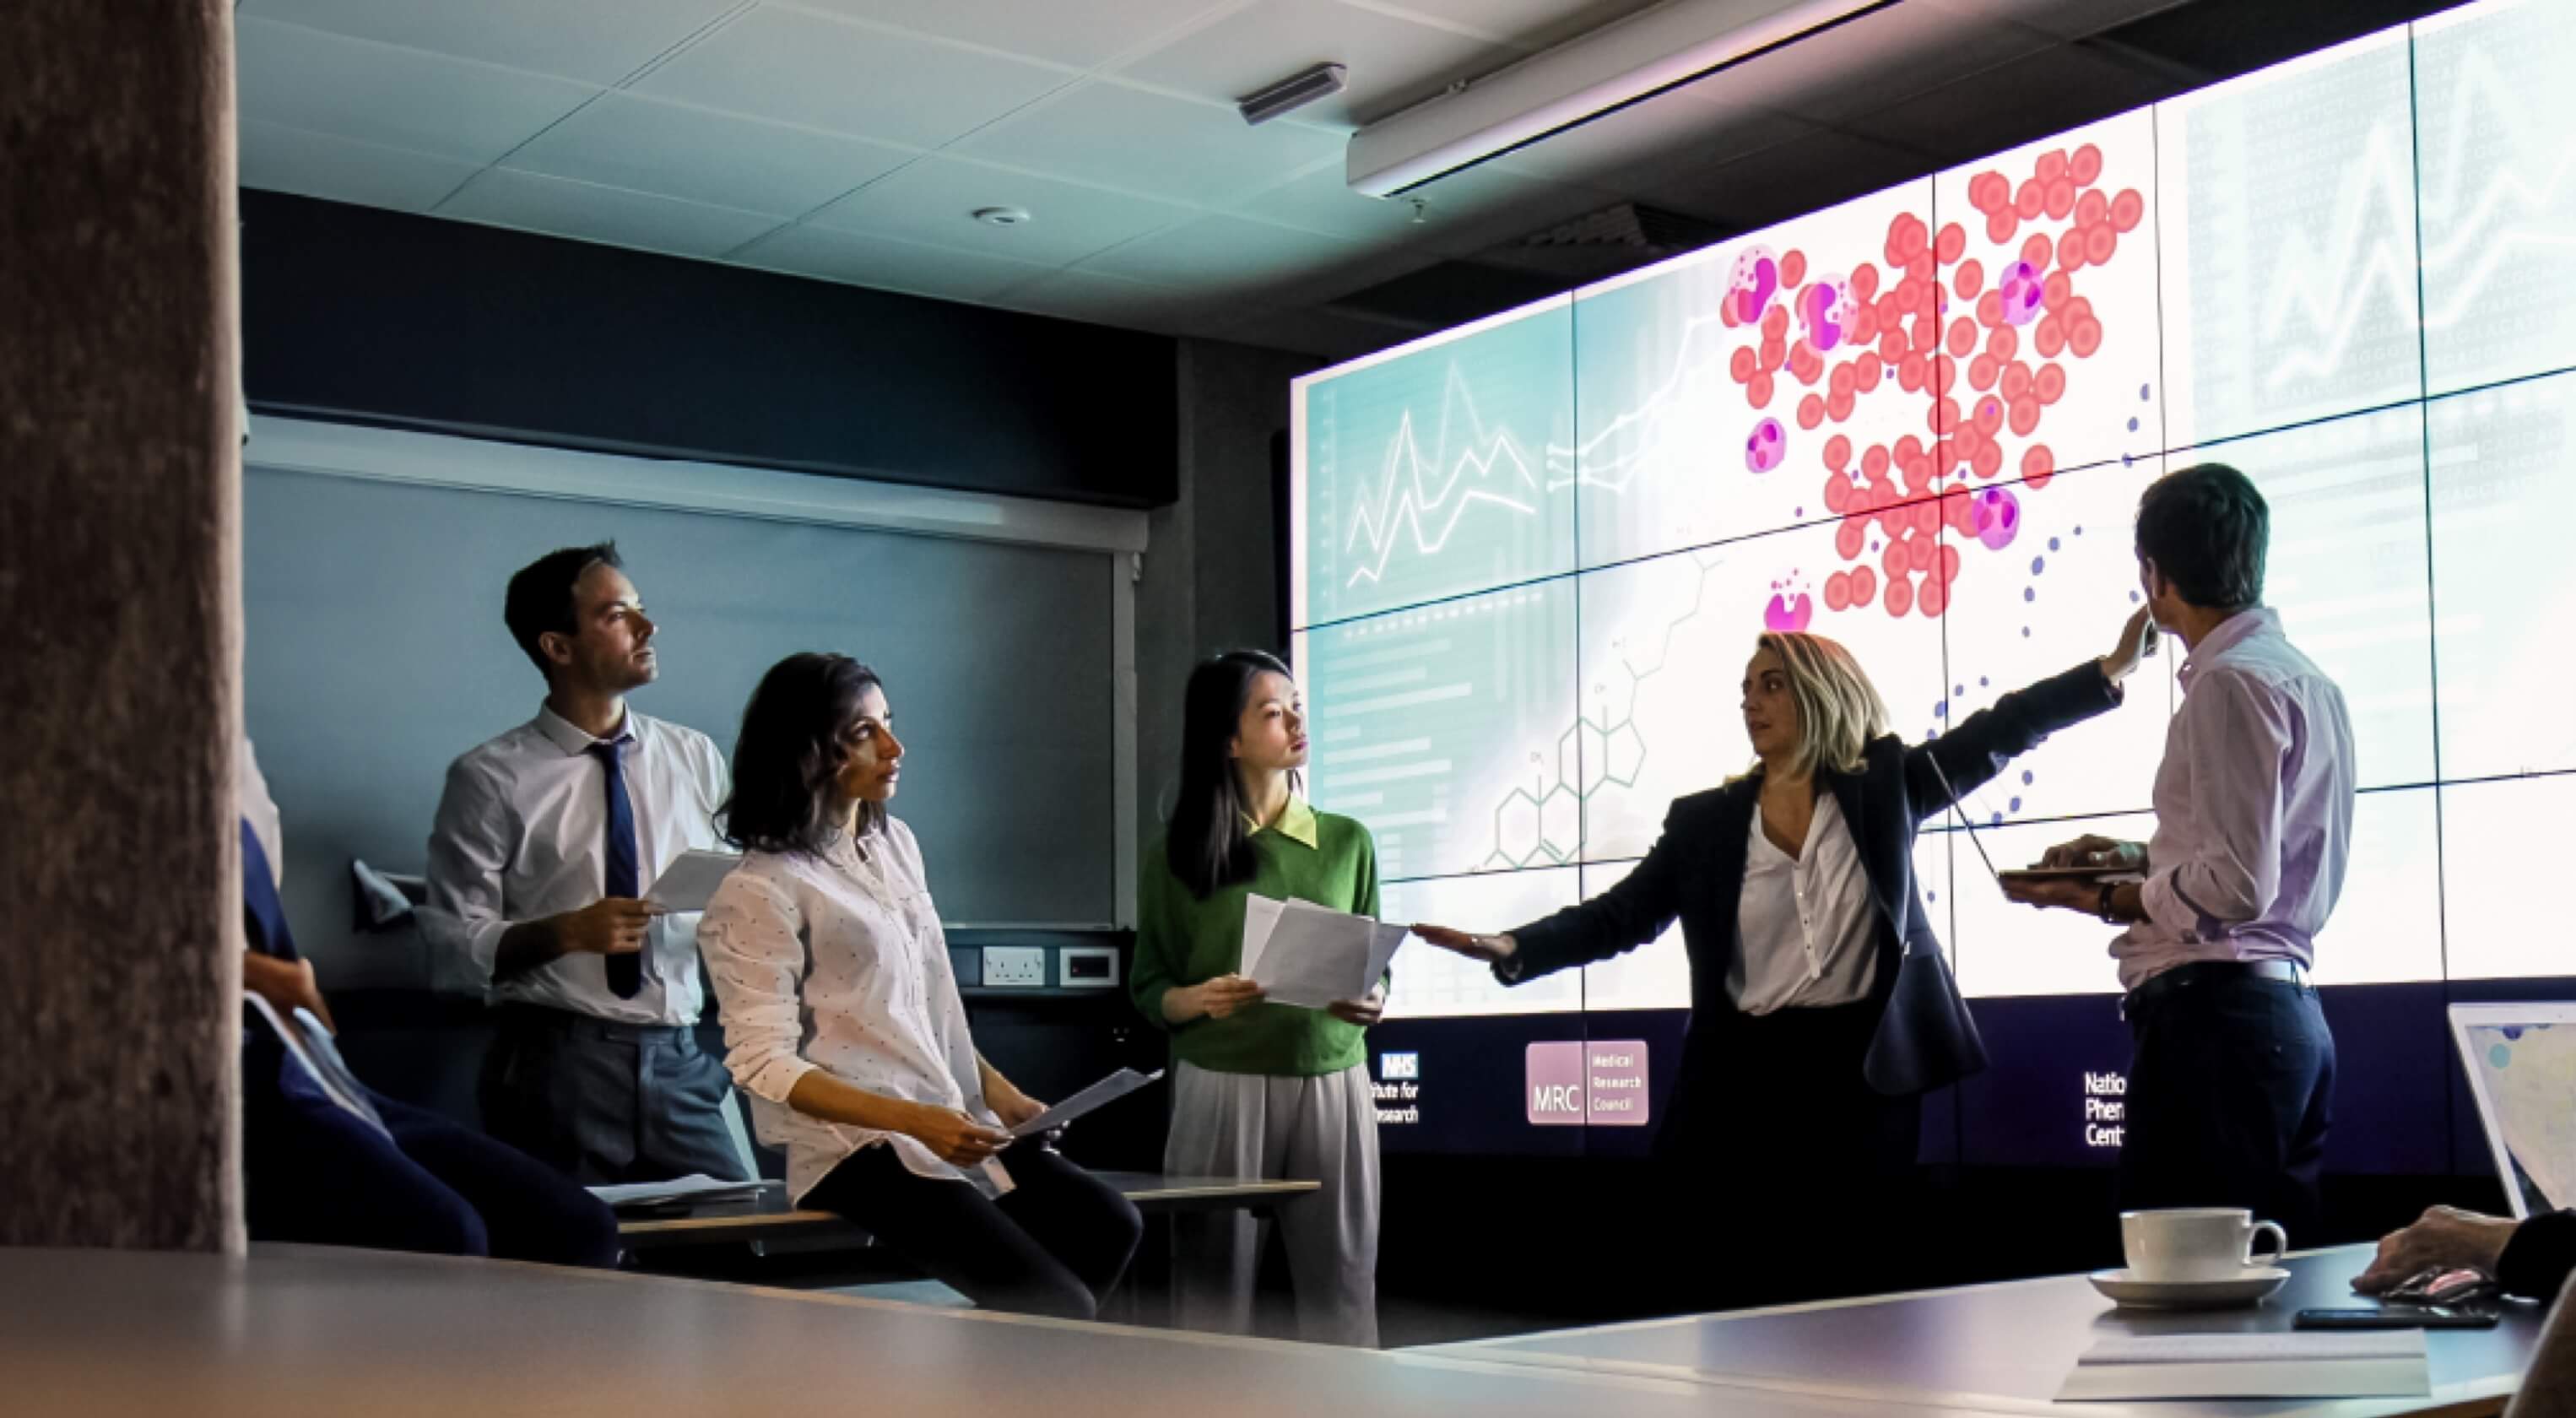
[608, 1102]
[1320, 1129]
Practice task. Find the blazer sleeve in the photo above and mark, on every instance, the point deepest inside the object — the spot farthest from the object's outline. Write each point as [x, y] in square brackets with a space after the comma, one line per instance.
[1970, 755]
[1626, 916]
[2536, 1262]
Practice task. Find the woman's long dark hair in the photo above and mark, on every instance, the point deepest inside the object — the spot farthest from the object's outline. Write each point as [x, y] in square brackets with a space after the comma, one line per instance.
[1205, 842]
[795, 739]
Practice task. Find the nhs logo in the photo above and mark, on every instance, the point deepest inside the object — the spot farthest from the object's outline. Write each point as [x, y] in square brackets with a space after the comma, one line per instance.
[1392, 1068]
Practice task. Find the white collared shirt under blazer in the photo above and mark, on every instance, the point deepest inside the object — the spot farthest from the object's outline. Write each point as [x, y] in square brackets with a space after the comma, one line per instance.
[837, 961]
[1802, 924]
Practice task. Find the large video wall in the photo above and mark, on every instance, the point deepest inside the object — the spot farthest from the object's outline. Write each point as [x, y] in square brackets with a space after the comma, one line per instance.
[1530, 555]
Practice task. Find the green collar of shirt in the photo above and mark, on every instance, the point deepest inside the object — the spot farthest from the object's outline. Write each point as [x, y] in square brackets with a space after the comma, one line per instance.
[1296, 823]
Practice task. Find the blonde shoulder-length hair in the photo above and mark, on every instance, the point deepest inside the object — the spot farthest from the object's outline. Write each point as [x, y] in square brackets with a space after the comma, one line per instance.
[1839, 710]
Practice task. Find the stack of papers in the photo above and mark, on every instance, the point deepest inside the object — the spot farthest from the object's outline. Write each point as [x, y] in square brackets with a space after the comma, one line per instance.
[697, 1186]
[2294, 1364]
[1309, 955]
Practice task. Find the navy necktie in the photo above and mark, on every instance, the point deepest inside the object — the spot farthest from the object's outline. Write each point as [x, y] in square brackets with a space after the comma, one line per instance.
[625, 972]
[263, 914]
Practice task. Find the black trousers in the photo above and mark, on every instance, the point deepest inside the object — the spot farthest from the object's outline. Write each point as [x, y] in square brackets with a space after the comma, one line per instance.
[1786, 1175]
[2230, 1095]
[315, 1173]
[608, 1102]
[1056, 1244]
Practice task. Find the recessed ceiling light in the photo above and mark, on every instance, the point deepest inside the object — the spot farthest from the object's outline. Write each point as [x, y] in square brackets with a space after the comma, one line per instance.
[1002, 216]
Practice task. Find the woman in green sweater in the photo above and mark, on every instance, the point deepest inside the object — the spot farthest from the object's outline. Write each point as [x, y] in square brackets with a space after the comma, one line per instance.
[1259, 1089]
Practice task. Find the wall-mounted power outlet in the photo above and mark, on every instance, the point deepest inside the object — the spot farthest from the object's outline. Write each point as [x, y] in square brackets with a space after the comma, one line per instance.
[1015, 967]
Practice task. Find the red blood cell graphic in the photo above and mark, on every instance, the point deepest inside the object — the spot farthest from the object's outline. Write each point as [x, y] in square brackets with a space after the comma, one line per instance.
[1921, 268]
[2061, 199]
[2050, 384]
[1838, 591]
[1773, 352]
[1741, 364]
[1927, 333]
[1758, 393]
[1838, 405]
[2002, 343]
[1908, 448]
[1970, 279]
[2126, 209]
[2092, 208]
[2052, 166]
[1981, 191]
[1895, 559]
[1989, 460]
[1837, 491]
[2100, 242]
[1840, 381]
[2030, 200]
[1849, 537]
[1891, 345]
[1804, 365]
[2049, 338]
[1866, 370]
[1990, 309]
[2023, 417]
[1905, 237]
[2085, 166]
[1920, 549]
[2016, 381]
[1873, 464]
[1864, 585]
[1953, 240]
[1950, 554]
[1982, 371]
[1793, 270]
[1864, 325]
[1811, 412]
[1864, 281]
[1963, 336]
[1931, 598]
[1945, 415]
[2038, 251]
[1900, 597]
[1989, 417]
[1909, 375]
[2000, 225]
[2085, 338]
[1837, 455]
[2038, 464]
[2070, 252]
[2056, 290]
[1775, 323]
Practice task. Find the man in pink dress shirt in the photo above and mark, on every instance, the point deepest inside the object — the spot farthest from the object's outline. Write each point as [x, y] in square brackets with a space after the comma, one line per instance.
[2233, 1071]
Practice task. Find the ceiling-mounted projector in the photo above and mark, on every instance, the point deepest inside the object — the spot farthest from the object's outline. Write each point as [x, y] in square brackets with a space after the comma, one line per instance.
[1579, 80]
[1295, 91]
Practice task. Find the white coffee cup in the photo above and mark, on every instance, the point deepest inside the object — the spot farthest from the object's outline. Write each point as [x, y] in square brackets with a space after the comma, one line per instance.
[2196, 1242]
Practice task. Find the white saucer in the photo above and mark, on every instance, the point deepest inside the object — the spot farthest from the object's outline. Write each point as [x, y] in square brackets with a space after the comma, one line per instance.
[2123, 1288]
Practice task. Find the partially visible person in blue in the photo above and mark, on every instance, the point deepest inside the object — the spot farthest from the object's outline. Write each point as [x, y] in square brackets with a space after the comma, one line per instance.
[319, 1171]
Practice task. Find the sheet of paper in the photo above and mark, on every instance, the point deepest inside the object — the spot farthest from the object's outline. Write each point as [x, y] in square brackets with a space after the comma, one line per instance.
[2286, 1364]
[1309, 956]
[1115, 1086]
[691, 879]
[678, 1188]
[308, 1045]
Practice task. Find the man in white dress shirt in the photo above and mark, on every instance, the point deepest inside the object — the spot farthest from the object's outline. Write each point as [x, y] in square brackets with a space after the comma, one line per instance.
[547, 839]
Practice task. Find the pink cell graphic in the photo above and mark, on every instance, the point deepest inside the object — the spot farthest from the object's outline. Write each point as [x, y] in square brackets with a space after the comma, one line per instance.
[1756, 280]
[1768, 446]
[2021, 289]
[1997, 517]
[1826, 310]
[1789, 611]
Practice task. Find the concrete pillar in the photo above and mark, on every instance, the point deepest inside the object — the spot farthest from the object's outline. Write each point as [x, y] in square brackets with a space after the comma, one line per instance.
[120, 616]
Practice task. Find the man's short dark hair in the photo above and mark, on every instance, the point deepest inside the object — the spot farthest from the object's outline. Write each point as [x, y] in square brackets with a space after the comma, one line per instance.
[541, 597]
[2207, 529]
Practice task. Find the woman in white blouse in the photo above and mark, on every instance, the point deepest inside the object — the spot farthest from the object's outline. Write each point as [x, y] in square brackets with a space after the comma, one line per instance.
[843, 1022]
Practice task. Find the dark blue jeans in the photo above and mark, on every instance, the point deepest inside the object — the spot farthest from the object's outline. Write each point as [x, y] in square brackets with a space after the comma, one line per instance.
[2230, 1095]
[313, 1172]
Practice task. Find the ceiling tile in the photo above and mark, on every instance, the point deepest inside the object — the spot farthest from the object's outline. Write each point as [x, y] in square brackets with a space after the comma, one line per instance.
[704, 156]
[1082, 36]
[1115, 136]
[1226, 254]
[2056, 89]
[2065, 19]
[934, 201]
[845, 78]
[1315, 332]
[399, 98]
[613, 215]
[853, 259]
[1872, 61]
[1392, 62]
[277, 159]
[595, 41]
[1100, 299]
[1537, 24]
